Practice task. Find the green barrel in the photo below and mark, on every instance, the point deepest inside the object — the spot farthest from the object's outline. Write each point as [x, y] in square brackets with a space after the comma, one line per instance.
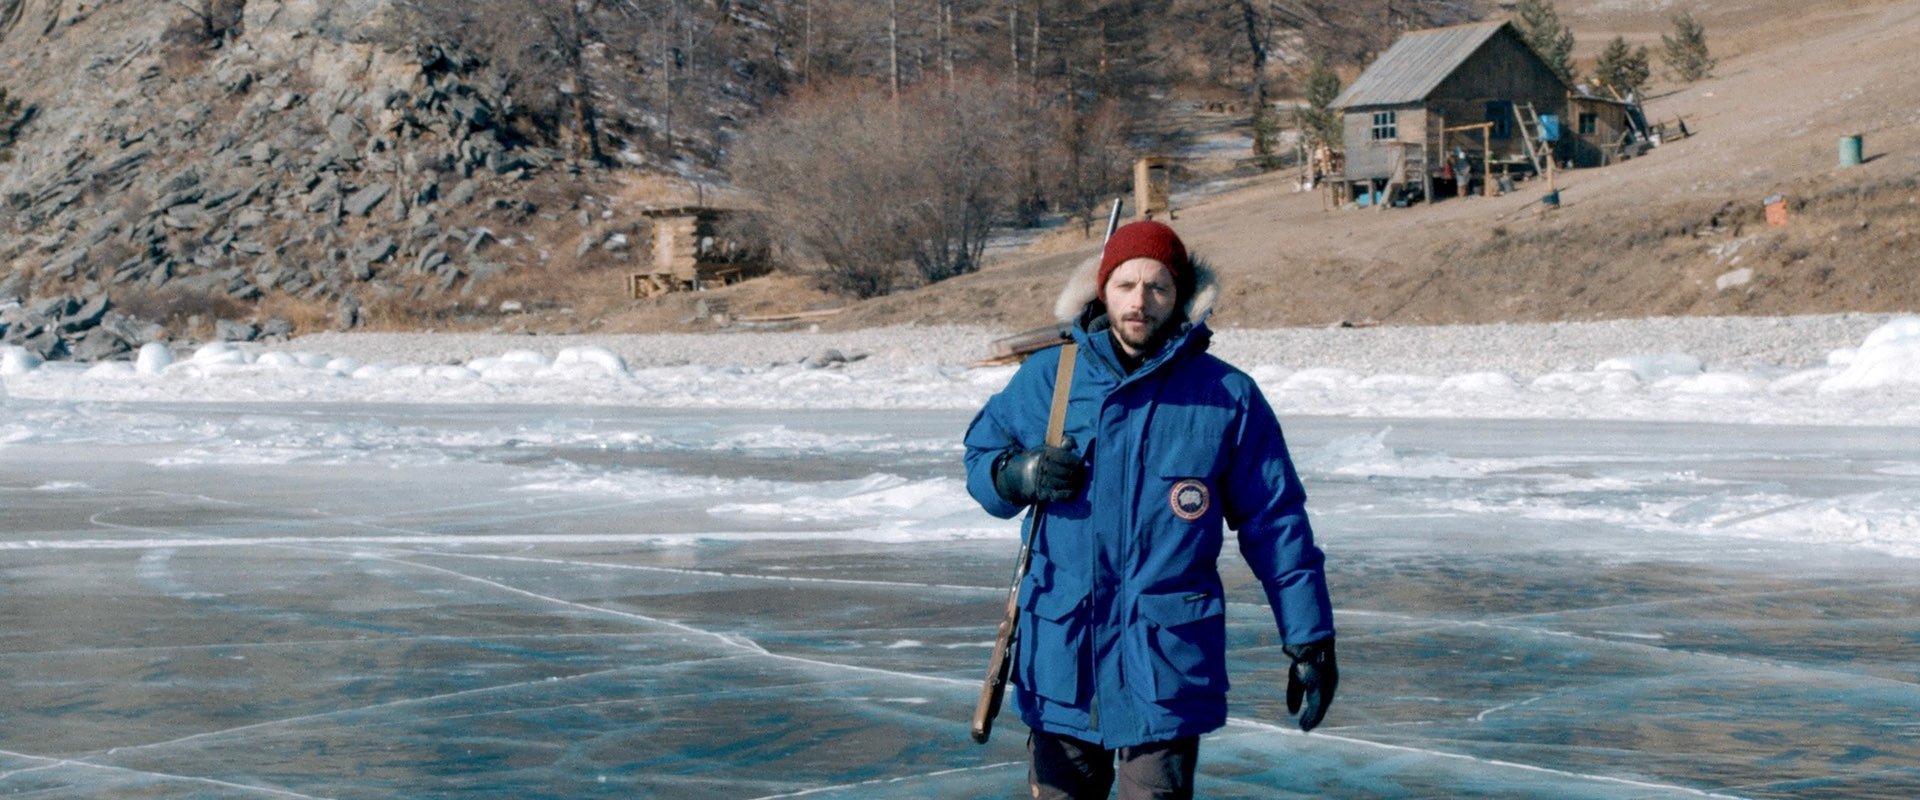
[1850, 150]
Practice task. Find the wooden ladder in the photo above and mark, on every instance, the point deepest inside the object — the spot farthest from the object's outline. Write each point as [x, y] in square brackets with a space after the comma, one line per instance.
[1529, 122]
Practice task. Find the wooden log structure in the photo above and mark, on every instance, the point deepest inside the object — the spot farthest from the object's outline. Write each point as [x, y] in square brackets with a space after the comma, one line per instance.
[690, 252]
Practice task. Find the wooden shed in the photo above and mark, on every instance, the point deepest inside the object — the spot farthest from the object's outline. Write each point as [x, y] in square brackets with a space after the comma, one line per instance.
[1475, 90]
[1600, 130]
[692, 249]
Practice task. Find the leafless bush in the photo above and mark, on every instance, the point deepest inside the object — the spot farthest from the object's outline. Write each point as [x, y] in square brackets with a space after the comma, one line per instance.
[177, 308]
[867, 185]
[1090, 158]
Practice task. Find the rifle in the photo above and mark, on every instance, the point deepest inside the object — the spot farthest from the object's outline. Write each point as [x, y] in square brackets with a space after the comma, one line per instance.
[993, 690]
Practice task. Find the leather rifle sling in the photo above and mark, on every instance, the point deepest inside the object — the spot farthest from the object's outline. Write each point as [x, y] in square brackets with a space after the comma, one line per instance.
[1062, 386]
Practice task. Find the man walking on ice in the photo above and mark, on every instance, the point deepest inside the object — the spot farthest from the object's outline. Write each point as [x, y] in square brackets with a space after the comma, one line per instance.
[1120, 655]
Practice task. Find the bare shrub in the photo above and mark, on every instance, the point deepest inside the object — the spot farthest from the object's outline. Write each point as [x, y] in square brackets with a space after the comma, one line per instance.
[1090, 158]
[179, 310]
[308, 315]
[866, 185]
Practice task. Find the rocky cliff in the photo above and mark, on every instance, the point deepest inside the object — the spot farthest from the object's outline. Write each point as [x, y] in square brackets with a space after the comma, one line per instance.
[303, 155]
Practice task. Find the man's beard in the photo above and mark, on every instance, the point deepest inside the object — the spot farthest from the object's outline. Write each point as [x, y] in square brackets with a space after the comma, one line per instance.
[1144, 341]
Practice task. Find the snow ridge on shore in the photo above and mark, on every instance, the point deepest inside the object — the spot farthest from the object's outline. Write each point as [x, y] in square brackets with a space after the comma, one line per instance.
[1524, 349]
[1845, 369]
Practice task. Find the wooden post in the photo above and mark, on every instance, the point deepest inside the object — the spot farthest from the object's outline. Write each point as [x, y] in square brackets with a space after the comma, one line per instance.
[1152, 187]
[1486, 160]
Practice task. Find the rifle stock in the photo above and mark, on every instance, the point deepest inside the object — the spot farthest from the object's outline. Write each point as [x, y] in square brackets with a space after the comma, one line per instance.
[993, 690]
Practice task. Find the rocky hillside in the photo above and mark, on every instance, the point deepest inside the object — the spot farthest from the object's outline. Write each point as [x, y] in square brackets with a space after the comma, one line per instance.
[294, 171]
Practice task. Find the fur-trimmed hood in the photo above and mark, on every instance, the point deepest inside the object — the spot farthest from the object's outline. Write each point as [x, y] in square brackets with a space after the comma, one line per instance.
[1083, 290]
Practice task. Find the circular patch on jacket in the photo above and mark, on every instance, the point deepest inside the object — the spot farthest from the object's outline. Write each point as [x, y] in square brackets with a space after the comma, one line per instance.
[1190, 499]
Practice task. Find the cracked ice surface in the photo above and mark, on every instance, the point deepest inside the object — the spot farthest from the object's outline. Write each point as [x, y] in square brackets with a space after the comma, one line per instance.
[272, 600]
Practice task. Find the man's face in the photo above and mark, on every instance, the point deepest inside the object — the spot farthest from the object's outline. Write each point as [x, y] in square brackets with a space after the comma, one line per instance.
[1140, 296]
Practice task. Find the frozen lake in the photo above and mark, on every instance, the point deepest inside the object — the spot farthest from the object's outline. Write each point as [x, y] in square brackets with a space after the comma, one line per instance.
[276, 600]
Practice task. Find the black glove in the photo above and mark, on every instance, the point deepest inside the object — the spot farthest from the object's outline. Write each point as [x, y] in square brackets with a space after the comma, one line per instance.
[1312, 678]
[1039, 474]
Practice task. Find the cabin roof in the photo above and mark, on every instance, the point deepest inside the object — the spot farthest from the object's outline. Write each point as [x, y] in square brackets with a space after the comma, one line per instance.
[1416, 64]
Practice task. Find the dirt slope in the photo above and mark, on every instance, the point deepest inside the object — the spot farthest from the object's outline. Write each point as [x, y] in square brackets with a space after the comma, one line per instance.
[1664, 234]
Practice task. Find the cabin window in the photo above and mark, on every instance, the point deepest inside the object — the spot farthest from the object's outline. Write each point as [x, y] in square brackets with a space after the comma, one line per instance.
[1385, 125]
[1500, 113]
[1589, 123]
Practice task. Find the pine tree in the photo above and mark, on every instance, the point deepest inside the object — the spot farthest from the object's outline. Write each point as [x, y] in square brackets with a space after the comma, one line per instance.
[1318, 119]
[1621, 69]
[1686, 50]
[1540, 26]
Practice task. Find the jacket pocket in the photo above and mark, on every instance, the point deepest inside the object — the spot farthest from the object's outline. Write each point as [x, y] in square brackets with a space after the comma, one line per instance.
[1051, 653]
[1199, 450]
[1186, 642]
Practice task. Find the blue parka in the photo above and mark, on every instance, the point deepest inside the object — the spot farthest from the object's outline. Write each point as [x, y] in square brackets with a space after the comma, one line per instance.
[1122, 636]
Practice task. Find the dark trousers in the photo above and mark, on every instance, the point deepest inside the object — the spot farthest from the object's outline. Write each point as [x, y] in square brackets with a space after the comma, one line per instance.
[1065, 768]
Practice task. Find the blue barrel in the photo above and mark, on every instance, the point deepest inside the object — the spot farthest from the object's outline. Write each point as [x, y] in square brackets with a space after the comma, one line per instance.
[1850, 150]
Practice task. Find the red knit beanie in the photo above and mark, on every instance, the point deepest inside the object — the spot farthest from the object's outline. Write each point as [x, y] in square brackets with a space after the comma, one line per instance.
[1146, 239]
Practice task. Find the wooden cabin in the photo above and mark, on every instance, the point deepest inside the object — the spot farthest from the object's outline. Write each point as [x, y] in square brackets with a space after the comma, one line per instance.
[692, 249]
[1477, 91]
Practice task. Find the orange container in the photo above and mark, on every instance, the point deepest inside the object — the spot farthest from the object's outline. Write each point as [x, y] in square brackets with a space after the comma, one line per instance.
[1776, 208]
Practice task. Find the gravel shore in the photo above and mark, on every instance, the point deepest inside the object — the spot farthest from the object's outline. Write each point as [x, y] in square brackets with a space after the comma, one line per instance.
[1729, 343]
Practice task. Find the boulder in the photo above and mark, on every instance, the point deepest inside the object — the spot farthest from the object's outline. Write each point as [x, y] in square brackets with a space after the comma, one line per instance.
[463, 192]
[54, 308]
[348, 316]
[324, 195]
[248, 218]
[362, 202]
[276, 329]
[182, 181]
[98, 344]
[187, 217]
[825, 357]
[45, 346]
[430, 261]
[376, 251]
[87, 316]
[186, 196]
[133, 331]
[477, 240]
[227, 330]
[340, 129]
[66, 263]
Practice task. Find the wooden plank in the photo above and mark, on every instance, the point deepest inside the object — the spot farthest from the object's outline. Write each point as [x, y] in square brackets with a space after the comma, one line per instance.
[1015, 348]
[793, 317]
